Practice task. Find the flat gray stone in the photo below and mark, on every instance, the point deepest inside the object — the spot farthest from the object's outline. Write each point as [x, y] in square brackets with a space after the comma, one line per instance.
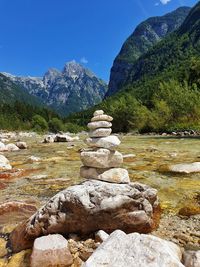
[184, 168]
[101, 158]
[99, 124]
[103, 117]
[115, 175]
[91, 173]
[109, 142]
[100, 132]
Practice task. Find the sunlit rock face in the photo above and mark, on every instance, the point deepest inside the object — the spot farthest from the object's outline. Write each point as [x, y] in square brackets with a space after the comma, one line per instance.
[73, 89]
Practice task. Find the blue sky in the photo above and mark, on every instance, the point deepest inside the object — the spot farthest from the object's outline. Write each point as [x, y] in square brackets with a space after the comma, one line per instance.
[39, 34]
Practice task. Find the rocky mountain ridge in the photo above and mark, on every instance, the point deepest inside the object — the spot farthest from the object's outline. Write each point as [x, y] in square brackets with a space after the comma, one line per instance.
[145, 36]
[73, 89]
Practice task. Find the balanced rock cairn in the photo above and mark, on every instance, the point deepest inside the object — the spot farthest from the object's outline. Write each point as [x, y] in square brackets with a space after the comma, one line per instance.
[101, 161]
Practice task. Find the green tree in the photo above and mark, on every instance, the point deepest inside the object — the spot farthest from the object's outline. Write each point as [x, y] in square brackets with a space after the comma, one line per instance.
[56, 125]
[39, 124]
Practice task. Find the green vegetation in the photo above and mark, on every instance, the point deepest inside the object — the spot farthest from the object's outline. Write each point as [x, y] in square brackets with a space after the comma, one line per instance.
[162, 92]
[20, 116]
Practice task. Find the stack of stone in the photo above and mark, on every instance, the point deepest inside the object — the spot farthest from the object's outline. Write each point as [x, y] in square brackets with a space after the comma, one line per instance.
[101, 161]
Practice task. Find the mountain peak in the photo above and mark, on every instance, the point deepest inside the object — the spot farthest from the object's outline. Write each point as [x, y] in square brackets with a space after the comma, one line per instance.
[72, 69]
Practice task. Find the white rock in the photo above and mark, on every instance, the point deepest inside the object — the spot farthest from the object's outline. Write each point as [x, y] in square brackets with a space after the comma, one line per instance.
[21, 145]
[110, 142]
[102, 118]
[185, 168]
[12, 147]
[135, 250]
[191, 258]
[101, 236]
[115, 175]
[2, 147]
[4, 163]
[101, 158]
[100, 132]
[99, 124]
[98, 112]
[51, 250]
[33, 159]
[49, 139]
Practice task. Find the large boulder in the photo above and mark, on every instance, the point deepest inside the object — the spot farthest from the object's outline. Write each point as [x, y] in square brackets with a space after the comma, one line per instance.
[4, 163]
[101, 158]
[135, 250]
[91, 206]
[51, 250]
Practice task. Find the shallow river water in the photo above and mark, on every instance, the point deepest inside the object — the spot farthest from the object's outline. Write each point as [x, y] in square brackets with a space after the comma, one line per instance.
[59, 163]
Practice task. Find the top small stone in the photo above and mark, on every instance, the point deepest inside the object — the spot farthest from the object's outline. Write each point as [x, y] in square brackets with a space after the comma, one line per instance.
[102, 117]
[98, 112]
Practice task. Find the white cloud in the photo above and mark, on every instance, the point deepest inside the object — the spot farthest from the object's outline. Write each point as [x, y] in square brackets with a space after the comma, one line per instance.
[164, 2]
[84, 60]
[157, 4]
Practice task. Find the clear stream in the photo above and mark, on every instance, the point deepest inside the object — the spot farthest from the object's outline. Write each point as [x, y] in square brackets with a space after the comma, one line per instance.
[59, 165]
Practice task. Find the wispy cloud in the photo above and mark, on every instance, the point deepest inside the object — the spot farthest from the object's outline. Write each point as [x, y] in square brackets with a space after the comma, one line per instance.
[157, 4]
[84, 60]
[164, 2]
